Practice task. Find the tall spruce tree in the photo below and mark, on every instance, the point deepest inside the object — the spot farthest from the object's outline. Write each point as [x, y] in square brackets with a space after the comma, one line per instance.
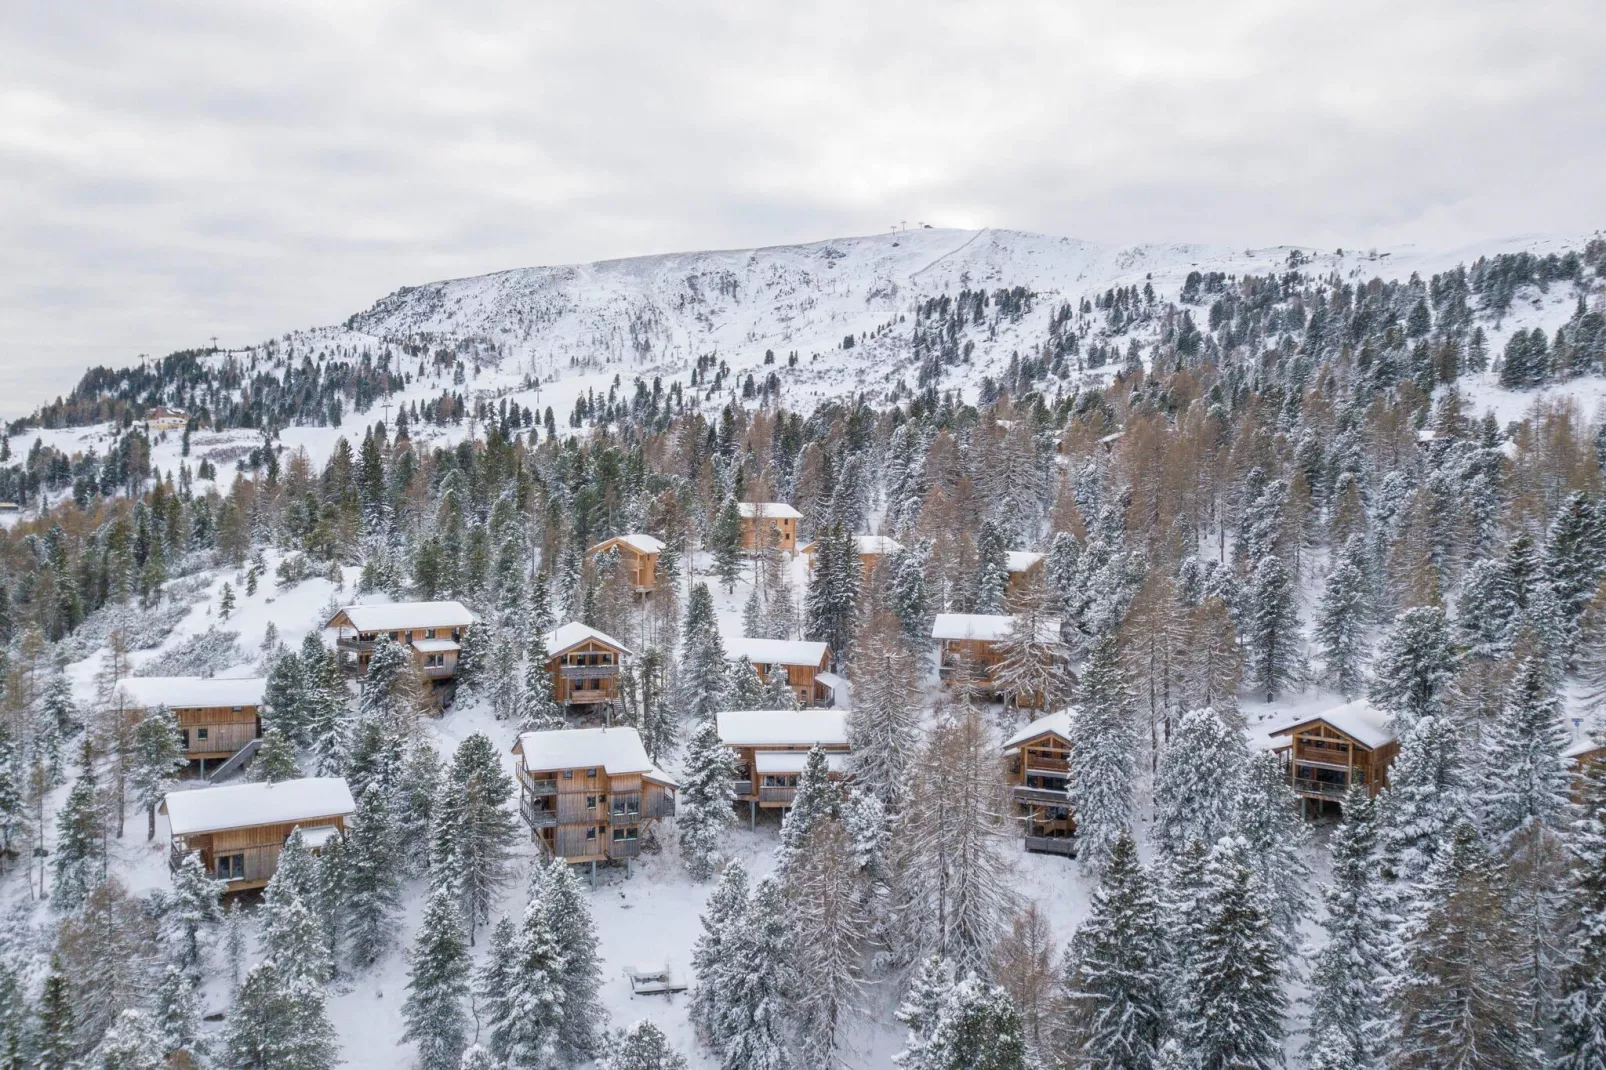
[832, 605]
[1342, 618]
[702, 677]
[1415, 662]
[1271, 628]
[157, 759]
[725, 910]
[279, 1023]
[438, 986]
[371, 879]
[582, 1027]
[703, 811]
[1580, 1042]
[1198, 785]
[1103, 766]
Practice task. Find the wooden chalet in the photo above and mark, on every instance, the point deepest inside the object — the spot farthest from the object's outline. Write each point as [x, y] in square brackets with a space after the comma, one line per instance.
[163, 418]
[240, 829]
[1326, 753]
[1037, 765]
[767, 524]
[638, 555]
[216, 718]
[770, 747]
[1025, 568]
[432, 631]
[588, 794]
[803, 661]
[584, 664]
[1584, 754]
[870, 548]
[976, 639]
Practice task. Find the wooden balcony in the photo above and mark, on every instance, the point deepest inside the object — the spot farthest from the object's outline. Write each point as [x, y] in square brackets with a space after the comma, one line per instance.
[628, 848]
[437, 672]
[588, 672]
[656, 806]
[1052, 845]
[355, 645]
[783, 796]
[537, 817]
[1304, 752]
[743, 790]
[1040, 796]
[538, 787]
[1319, 789]
[1048, 766]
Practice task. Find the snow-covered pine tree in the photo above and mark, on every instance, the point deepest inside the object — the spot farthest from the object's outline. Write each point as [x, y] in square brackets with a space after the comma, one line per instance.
[1342, 619]
[908, 596]
[702, 676]
[1575, 553]
[390, 686]
[324, 723]
[992, 568]
[475, 794]
[1454, 1006]
[276, 758]
[1232, 1009]
[1270, 823]
[703, 812]
[1422, 804]
[818, 799]
[134, 1042]
[584, 1020]
[1034, 667]
[753, 616]
[725, 543]
[53, 1036]
[745, 691]
[1198, 785]
[413, 806]
[920, 1009]
[279, 1023]
[478, 1058]
[726, 908]
[526, 1015]
[371, 879]
[828, 927]
[831, 607]
[1525, 781]
[438, 986]
[1580, 1042]
[541, 710]
[642, 1047]
[756, 977]
[283, 697]
[1271, 628]
[1116, 1009]
[1103, 764]
[777, 693]
[157, 758]
[298, 913]
[176, 1008]
[192, 903]
[1414, 663]
[375, 756]
[978, 1028]
[883, 722]
[79, 864]
[1351, 970]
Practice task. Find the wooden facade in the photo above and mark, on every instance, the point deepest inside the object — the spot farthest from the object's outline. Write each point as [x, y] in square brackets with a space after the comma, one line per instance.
[769, 524]
[769, 747]
[1025, 568]
[590, 812]
[638, 555]
[804, 662]
[584, 664]
[432, 632]
[1037, 765]
[1323, 756]
[872, 550]
[240, 838]
[976, 643]
[216, 718]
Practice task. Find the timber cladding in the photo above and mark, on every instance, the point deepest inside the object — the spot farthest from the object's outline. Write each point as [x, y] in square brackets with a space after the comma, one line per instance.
[217, 731]
[249, 855]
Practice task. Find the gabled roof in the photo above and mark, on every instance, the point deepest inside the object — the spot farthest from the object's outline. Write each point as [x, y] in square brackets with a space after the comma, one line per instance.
[1359, 720]
[615, 750]
[983, 627]
[803, 652]
[190, 692]
[782, 728]
[1057, 723]
[1022, 560]
[397, 616]
[771, 510]
[435, 646]
[247, 805]
[1579, 748]
[574, 633]
[642, 544]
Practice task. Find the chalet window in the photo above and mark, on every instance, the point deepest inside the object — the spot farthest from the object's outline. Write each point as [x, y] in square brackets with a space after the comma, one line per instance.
[237, 709]
[568, 774]
[395, 637]
[200, 733]
[230, 867]
[185, 734]
[429, 633]
[591, 773]
[591, 802]
[623, 835]
[591, 833]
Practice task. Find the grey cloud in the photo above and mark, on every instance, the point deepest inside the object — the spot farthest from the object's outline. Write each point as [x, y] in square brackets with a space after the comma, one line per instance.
[177, 169]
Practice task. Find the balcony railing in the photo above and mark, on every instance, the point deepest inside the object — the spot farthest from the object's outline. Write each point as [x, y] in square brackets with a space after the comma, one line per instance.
[361, 646]
[777, 795]
[630, 848]
[588, 672]
[1052, 845]
[1323, 755]
[438, 672]
[743, 789]
[656, 806]
[1043, 796]
[539, 787]
[538, 817]
[1325, 789]
[1052, 766]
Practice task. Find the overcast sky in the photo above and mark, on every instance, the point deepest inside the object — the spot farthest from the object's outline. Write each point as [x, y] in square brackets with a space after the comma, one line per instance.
[173, 170]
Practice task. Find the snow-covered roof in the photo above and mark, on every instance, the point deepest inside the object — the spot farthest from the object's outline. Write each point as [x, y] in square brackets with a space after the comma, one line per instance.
[434, 646]
[777, 651]
[782, 728]
[191, 692]
[245, 805]
[574, 633]
[616, 750]
[791, 761]
[396, 616]
[1021, 560]
[1581, 747]
[771, 510]
[1360, 720]
[865, 545]
[983, 627]
[831, 680]
[641, 543]
[1057, 723]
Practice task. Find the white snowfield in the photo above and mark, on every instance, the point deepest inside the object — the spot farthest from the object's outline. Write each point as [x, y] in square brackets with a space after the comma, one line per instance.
[1022, 560]
[398, 616]
[190, 692]
[768, 510]
[573, 634]
[782, 728]
[982, 627]
[801, 652]
[617, 750]
[247, 805]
